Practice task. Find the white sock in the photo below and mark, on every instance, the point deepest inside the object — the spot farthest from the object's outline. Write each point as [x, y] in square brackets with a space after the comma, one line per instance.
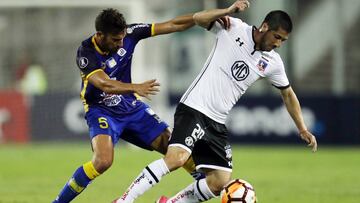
[150, 176]
[197, 191]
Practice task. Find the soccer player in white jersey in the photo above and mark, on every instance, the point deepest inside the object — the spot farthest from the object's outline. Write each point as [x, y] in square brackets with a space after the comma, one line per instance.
[241, 55]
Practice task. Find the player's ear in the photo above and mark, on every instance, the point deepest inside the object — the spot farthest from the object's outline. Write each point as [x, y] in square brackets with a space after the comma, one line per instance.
[264, 27]
[100, 34]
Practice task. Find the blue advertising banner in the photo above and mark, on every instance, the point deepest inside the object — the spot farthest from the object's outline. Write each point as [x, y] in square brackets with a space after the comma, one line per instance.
[262, 120]
[58, 117]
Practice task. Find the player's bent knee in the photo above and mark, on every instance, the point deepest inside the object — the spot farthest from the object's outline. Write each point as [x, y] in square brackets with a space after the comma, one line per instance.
[160, 144]
[102, 164]
[176, 157]
[217, 182]
[216, 186]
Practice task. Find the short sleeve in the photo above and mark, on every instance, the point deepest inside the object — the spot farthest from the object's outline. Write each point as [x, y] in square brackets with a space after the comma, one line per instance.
[139, 31]
[215, 27]
[278, 77]
[87, 61]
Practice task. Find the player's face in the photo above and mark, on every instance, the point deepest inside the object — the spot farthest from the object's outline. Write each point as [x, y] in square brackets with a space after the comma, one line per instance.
[273, 39]
[113, 42]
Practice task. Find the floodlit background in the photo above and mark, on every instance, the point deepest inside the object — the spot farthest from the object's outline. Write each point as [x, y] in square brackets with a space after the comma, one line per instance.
[41, 113]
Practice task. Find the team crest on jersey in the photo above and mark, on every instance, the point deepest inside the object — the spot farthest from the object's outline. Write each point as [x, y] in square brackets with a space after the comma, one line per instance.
[83, 62]
[111, 63]
[262, 64]
[240, 70]
[228, 151]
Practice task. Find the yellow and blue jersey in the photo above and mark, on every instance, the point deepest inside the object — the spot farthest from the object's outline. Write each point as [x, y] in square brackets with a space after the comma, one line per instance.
[117, 66]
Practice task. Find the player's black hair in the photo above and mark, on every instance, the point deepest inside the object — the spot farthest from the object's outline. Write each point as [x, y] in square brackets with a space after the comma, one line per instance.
[276, 19]
[110, 21]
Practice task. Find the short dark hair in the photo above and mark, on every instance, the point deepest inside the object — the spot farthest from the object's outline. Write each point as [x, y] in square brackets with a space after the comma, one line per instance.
[110, 21]
[278, 18]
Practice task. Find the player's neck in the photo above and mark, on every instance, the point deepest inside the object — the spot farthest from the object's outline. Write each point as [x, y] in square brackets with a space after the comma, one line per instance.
[99, 43]
[257, 38]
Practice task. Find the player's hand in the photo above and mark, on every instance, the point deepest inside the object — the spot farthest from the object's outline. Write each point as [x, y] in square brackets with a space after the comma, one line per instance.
[309, 138]
[239, 5]
[225, 22]
[147, 88]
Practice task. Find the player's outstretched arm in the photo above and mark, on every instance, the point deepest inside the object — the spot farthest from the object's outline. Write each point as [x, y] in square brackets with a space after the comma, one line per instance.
[102, 81]
[293, 107]
[205, 18]
[179, 23]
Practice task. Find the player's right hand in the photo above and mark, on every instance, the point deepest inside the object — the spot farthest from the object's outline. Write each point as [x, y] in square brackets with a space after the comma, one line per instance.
[310, 139]
[147, 88]
[239, 5]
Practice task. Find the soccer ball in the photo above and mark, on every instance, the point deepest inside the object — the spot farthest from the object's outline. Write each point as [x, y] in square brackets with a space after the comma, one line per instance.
[238, 191]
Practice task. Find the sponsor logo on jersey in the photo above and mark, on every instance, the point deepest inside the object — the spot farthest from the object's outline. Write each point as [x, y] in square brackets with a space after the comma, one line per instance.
[240, 70]
[121, 52]
[238, 40]
[131, 29]
[111, 99]
[134, 103]
[189, 141]
[196, 135]
[153, 114]
[262, 64]
[83, 62]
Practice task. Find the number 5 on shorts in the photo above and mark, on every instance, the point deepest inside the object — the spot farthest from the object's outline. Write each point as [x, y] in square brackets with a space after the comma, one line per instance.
[103, 123]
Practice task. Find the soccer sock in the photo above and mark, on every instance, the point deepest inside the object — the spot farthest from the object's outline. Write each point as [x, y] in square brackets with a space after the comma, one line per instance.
[197, 191]
[77, 183]
[150, 176]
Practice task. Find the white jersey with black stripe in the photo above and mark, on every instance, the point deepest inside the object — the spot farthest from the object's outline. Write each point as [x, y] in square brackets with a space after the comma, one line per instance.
[231, 68]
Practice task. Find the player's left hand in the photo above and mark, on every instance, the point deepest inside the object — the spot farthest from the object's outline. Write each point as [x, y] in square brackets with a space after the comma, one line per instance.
[309, 138]
[225, 22]
[239, 5]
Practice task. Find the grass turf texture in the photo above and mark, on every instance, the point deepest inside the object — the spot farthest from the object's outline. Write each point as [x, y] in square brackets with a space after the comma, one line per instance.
[290, 174]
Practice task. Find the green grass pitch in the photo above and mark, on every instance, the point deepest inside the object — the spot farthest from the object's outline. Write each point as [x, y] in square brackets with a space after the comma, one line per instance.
[293, 174]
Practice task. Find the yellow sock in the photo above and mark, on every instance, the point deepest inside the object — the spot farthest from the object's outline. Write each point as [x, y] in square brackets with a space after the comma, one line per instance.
[90, 170]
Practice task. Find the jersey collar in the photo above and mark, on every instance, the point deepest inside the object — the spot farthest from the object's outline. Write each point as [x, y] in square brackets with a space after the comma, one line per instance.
[253, 39]
[97, 48]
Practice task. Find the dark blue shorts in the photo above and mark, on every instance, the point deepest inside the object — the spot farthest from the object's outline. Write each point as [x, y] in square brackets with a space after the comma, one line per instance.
[140, 127]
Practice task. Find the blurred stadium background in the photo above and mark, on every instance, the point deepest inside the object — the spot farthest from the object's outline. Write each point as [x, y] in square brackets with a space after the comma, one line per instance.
[43, 136]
